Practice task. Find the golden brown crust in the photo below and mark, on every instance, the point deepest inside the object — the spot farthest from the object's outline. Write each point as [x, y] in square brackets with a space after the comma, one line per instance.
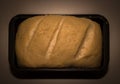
[58, 41]
[89, 53]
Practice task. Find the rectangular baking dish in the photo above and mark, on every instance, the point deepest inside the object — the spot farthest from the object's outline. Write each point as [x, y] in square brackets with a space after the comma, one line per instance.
[69, 72]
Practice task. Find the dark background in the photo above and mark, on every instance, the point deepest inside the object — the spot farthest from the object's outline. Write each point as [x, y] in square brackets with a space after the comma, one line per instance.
[109, 8]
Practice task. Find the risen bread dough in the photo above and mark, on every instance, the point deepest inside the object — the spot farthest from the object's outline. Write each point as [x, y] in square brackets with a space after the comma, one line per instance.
[58, 41]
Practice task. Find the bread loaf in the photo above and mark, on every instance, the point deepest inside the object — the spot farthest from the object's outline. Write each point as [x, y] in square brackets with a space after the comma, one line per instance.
[56, 41]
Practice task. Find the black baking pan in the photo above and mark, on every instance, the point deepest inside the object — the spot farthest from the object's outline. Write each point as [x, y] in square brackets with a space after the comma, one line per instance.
[74, 73]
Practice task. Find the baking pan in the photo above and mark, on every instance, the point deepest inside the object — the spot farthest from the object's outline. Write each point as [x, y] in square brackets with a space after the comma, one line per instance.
[74, 73]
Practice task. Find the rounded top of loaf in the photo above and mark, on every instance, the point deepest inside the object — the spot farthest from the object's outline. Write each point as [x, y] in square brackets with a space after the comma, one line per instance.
[58, 41]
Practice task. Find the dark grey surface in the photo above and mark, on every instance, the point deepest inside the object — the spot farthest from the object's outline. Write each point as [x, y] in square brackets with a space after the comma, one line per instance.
[110, 9]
